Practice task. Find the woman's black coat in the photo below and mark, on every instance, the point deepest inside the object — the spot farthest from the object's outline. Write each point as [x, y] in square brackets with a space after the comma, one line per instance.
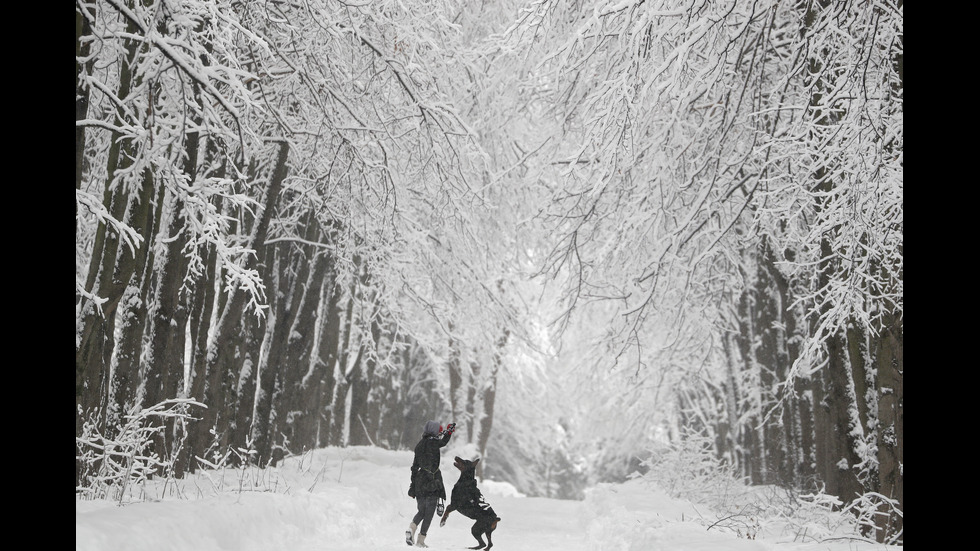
[426, 476]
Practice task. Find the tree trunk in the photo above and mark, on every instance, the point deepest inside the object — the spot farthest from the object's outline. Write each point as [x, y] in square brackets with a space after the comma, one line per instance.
[489, 396]
[343, 374]
[329, 354]
[107, 278]
[844, 424]
[361, 376]
[82, 50]
[301, 273]
[164, 367]
[316, 388]
[202, 307]
[265, 425]
[225, 349]
[752, 441]
[777, 329]
[840, 397]
[732, 393]
[301, 342]
[891, 434]
[126, 377]
[241, 409]
[360, 389]
[457, 390]
[825, 445]
[805, 407]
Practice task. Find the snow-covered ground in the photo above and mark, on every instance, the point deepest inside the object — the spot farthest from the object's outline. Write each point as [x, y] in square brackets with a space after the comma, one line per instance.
[355, 498]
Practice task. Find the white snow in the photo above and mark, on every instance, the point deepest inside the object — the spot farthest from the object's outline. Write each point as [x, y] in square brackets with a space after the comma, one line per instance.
[355, 498]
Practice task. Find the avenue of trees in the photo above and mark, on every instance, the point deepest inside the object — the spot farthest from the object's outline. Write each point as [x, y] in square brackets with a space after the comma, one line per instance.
[579, 228]
[726, 205]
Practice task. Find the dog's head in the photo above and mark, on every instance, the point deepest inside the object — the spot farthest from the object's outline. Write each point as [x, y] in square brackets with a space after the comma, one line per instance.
[464, 465]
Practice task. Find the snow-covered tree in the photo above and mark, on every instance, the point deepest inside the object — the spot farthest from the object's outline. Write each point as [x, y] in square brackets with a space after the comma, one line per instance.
[697, 144]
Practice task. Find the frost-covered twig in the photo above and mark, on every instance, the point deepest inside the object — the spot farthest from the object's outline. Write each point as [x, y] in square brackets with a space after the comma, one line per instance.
[112, 464]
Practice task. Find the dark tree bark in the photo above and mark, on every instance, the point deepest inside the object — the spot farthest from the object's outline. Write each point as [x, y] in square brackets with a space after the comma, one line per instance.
[301, 342]
[733, 398]
[361, 373]
[300, 279]
[808, 452]
[457, 390]
[778, 328]
[126, 377]
[841, 401]
[838, 386]
[891, 433]
[202, 306]
[269, 376]
[224, 359]
[754, 468]
[343, 373]
[471, 379]
[315, 391]
[825, 444]
[329, 354]
[82, 49]
[360, 389]
[241, 410]
[109, 272]
[163, 371]
[488, 398]
[890, 368]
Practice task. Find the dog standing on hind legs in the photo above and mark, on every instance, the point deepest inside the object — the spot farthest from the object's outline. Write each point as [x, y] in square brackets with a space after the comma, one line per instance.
[468, 500]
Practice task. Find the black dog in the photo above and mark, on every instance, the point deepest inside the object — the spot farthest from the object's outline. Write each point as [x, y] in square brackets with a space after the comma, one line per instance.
[467, 499]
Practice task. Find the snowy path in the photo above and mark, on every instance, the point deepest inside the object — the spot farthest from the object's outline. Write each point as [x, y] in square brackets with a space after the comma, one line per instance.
[354, 499]
[338, 517]
[530, 524]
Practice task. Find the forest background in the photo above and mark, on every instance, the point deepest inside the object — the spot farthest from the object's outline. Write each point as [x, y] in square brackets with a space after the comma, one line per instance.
[584, 230]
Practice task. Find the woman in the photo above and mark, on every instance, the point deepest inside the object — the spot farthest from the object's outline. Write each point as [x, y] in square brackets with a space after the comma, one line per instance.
[427, 487]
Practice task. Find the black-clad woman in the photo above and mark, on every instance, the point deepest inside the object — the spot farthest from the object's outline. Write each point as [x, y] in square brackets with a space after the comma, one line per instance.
[427, 487]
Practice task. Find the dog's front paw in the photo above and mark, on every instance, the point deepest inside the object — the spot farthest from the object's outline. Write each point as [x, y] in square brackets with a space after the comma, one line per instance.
[442, 523]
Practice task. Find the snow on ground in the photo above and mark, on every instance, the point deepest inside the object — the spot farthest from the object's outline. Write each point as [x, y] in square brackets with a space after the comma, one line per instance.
[355, 498]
